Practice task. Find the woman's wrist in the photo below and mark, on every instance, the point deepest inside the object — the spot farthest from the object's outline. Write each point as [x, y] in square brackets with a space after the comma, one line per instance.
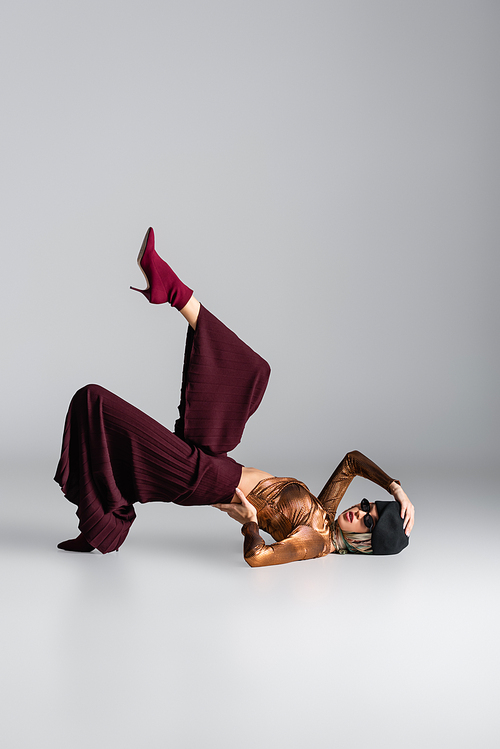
[245, 525]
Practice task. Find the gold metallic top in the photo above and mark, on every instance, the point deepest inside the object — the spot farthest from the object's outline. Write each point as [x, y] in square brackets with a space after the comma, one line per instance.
[299, 522]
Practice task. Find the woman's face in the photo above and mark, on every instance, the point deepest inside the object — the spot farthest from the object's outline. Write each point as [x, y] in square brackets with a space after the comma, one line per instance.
[352, 521]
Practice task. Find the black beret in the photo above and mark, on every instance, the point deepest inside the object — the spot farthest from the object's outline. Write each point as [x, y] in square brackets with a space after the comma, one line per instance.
[388, 536]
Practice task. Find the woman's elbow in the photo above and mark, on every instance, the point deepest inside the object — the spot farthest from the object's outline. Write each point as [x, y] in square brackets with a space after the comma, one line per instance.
[253, 561]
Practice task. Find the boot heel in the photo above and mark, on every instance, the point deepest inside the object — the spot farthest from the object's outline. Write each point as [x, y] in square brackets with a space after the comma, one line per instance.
[146, 292]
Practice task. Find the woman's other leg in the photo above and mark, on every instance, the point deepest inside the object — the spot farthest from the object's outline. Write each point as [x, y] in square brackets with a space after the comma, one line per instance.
[114, 455]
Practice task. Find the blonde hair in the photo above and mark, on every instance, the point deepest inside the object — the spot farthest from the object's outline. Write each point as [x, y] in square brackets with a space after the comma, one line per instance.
[350, 543]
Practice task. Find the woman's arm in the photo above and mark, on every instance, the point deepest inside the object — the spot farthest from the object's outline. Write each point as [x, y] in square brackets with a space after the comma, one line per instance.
[353, 464]
[303, 543]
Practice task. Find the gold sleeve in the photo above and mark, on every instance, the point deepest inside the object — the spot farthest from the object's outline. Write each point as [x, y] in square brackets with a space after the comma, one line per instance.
[303, 543]
[353, 464]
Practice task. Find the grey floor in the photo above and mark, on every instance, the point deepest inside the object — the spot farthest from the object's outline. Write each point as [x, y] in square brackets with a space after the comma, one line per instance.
[176, 642]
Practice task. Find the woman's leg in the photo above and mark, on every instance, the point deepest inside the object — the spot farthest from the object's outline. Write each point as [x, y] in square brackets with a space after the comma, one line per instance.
[114, 455]
[191, 312]
[223, 383]
[223, 379]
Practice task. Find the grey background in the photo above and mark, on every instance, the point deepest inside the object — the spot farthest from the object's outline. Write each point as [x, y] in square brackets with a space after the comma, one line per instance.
[325, 176]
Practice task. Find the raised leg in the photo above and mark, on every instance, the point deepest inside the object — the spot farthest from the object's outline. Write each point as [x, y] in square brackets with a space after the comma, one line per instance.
[223, 383]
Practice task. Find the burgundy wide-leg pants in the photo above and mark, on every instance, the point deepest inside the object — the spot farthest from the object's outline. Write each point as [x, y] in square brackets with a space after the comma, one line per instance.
[114, 455]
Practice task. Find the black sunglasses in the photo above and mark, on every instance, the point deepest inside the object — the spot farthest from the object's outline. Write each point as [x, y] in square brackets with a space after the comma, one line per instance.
[368, 520]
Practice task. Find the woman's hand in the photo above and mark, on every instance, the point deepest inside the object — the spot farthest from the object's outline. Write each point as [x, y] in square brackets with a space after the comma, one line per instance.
[240, 509]
[407, 509]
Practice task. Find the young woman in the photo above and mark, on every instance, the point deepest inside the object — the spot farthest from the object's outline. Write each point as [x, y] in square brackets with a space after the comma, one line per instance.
[114, 455]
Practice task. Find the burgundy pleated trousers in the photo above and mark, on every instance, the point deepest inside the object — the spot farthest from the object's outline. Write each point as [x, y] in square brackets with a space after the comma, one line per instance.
[114, 455]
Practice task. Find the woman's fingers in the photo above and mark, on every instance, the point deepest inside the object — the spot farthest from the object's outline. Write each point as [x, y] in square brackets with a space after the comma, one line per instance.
[244, 501]
[407, 509]
[239, 509]
[408, 515]
[231, 510]
[411, 521]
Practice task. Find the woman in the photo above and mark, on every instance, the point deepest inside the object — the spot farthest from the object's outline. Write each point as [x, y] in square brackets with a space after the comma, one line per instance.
[114, 455]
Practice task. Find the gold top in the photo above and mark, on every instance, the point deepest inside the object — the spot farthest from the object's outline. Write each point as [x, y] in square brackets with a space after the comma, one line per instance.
[299, 522]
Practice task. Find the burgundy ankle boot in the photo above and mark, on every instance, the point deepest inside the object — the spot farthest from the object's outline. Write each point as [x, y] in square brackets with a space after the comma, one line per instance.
[76, 544]
[163, 285]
